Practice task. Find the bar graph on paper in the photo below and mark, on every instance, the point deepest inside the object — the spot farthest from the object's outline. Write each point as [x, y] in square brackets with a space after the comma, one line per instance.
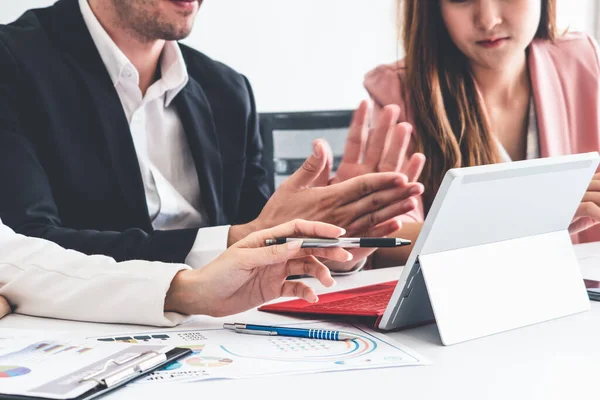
[14, 364]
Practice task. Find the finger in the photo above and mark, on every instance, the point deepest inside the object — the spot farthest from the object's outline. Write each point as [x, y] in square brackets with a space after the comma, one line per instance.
[4, 307]
[277, 254]
[268, 255]
[385, 228]
[587, 215]
[383, 198]
[594, 186]
[330, 253]
[593, 197]
[358, 187]
[588, 209]
[300, 290]
[324, 149]
[312, 267]
[294, 228]
[396, 151]
[581, 224]
[357, 134]
[414, 167]
[372, 219]
[378, 136]
[308, 172]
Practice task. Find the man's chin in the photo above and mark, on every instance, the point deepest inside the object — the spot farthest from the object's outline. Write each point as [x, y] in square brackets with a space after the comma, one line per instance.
[177, 34]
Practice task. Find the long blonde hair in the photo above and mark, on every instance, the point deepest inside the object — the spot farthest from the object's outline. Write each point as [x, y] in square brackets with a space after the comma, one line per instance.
[447, 112]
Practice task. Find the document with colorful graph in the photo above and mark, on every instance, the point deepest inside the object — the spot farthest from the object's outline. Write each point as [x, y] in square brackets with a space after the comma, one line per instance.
[219, 353]
[55, 367]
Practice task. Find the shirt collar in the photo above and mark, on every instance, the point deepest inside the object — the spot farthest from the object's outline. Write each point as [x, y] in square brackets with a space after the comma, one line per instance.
[174, 75]
[173, 70]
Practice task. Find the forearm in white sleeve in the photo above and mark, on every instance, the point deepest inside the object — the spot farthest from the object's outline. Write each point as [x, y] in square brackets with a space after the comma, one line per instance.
[210, 243]
[40, 278]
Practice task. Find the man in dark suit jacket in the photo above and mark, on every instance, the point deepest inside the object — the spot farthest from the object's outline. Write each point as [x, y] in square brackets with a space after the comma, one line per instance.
[79, 160]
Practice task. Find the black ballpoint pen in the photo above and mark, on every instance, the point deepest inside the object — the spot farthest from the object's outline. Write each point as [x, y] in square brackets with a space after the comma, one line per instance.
[343, 242]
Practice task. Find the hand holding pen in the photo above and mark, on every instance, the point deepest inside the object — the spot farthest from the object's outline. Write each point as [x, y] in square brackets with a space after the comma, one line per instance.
[342, 242]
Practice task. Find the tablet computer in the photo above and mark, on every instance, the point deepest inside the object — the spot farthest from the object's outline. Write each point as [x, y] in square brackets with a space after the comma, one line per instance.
[494, 243]
[481, 209]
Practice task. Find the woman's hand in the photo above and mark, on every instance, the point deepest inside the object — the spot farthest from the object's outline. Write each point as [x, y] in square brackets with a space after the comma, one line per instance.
[383, 148]
[379, 149]
[4, 307]
[249, 273]
[588, 212]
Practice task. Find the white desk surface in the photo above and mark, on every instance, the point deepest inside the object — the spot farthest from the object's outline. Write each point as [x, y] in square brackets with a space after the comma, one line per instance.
[559, 359]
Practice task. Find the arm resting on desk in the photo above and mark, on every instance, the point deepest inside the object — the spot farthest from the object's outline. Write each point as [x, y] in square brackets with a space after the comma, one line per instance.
[40, 278]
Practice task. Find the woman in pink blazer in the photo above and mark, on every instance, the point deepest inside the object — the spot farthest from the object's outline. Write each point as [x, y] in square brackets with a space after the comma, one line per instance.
[487, 81]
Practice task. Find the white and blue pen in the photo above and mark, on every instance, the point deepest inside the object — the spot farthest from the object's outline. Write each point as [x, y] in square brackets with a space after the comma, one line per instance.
[323, 334]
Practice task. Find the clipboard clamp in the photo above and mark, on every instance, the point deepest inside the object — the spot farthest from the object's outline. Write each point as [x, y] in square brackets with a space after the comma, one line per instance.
[127, 368]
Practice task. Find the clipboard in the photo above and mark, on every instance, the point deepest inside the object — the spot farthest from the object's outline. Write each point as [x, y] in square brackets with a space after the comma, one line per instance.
[114, 373]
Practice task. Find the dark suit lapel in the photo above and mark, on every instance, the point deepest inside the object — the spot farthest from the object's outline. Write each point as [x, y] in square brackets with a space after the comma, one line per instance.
[109, 114]
[197, 119]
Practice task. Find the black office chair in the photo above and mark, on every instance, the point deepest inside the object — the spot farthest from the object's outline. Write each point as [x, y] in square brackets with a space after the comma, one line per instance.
[288, 137]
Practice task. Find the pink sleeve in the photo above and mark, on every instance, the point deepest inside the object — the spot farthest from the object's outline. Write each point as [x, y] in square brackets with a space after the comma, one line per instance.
[595, 48]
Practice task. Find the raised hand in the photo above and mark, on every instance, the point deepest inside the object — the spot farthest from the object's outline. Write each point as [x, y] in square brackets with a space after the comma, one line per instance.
[249, 274]
[357, 204]
[379, 149]
[382, 148]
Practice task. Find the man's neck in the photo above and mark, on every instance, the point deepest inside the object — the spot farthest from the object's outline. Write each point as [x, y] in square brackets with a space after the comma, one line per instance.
[144, 54]
[503, 86]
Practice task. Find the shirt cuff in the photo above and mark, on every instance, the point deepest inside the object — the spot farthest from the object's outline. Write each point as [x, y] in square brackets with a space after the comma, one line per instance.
[360, 265]
[209, 244]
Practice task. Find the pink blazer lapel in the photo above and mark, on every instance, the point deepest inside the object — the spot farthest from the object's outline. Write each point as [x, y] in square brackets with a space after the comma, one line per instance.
[551, 110]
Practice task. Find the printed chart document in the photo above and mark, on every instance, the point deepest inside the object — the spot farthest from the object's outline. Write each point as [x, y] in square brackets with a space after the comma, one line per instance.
[219, 353]
[54, 366]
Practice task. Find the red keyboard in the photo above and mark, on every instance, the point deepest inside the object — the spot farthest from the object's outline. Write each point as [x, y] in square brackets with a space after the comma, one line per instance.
[372, 302]
[365, 301]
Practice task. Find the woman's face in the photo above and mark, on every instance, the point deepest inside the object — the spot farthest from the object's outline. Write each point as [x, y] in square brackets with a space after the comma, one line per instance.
[492, 33]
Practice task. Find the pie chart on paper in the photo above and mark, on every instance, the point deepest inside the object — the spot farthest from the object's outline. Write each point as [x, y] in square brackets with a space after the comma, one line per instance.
[12, 371]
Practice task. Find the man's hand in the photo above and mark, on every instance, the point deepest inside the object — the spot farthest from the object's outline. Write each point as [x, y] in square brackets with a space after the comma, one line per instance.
[360, 198]
[4, 307]
[249, 274]
[588, 212]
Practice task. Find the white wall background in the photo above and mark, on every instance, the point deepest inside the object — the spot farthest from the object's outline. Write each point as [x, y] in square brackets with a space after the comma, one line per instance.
[309, 54]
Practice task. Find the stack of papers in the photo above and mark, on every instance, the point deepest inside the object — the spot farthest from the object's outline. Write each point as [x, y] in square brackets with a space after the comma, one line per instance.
[55, 367]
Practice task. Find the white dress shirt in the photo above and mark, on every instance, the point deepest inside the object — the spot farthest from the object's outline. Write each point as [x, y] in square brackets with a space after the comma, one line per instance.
[166, 164]
[40, 278]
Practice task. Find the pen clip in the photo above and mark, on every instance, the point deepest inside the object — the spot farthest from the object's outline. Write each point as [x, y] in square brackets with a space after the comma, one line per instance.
[128, 367]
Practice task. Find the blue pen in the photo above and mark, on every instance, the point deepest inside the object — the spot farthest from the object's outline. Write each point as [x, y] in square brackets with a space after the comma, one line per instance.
[323, 334]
